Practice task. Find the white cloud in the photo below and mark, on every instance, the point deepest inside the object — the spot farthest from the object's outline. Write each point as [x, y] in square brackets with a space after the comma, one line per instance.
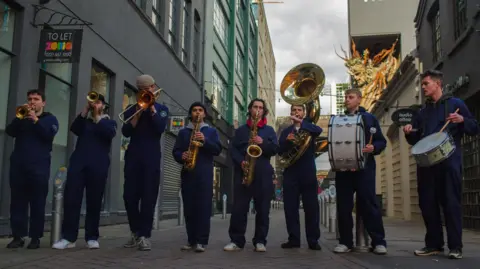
[308, 31]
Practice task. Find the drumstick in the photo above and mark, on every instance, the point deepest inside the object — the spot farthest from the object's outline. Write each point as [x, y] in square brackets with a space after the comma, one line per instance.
[445, 126]
[373, 130]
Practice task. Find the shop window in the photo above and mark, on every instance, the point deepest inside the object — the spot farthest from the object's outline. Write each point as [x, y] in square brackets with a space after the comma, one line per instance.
[129, 98]
[100, 80]
[57, 95]
[7, 25]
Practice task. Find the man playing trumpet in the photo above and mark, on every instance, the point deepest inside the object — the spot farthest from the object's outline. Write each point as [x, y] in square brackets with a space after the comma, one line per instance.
[88, 169]
[30, 169]
[195, 148]
[300, 179]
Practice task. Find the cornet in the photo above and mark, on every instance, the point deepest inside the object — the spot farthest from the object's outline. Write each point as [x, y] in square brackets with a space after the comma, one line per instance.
[145, 99]
[22, 111]
[92, 96]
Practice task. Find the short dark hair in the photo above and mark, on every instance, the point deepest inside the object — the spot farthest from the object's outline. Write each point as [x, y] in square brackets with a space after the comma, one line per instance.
[354, 91]
[433, 74]
[37, 92]
[265, 109]
[302, 106]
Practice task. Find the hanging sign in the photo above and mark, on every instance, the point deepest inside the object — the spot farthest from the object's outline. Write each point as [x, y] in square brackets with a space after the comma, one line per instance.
[60, 46]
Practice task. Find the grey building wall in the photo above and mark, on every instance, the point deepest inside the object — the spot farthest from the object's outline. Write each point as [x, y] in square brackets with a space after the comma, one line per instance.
[459, 53]
[123, 40]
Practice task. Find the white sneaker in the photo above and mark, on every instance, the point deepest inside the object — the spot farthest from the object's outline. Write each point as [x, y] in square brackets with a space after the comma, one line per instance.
[380, 250]
[260, 247]
[93, 244]
[341, 249]
[232, 247]
[63, 244]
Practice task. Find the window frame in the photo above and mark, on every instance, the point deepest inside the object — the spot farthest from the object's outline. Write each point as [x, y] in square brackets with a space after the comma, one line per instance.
[436, 36]
[460, 17]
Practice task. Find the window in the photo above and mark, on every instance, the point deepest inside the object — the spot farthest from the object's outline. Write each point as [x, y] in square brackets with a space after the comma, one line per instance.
[100, 80]
[237, 114]
[7, 27]
[157, 13]
[196, 45]
[142, 4]
[172, 23]
[253, 87]
[220, 22]
[437, 48]
[129, 98]
[57, 95]
[219, 93]
[460, 16]
[239, 61]
[186, 30]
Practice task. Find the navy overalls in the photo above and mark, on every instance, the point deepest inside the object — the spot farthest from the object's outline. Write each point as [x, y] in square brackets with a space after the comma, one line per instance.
[30, 173]
[261, 188]
[88, 169]
[142, 167]
[300, 179]
[362, 183]
[441, 184]
[197, 185]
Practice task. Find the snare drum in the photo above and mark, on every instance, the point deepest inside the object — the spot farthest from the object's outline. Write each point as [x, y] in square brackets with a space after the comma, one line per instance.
[346, 139]
[433, 149]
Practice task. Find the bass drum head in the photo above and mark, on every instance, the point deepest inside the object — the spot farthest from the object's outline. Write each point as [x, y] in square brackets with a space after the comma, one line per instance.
[362, 157]
[428, 143]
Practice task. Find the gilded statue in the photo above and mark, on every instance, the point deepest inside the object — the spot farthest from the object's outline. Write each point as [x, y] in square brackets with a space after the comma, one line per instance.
[371, 75]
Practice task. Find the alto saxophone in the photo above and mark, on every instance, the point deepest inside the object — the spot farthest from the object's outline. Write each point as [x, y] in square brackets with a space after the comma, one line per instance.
[253, 152]
[193, 147]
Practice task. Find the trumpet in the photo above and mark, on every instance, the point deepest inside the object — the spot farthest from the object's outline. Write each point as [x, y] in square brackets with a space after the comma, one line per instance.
[92, 96]
[22, 111]
[145, 99]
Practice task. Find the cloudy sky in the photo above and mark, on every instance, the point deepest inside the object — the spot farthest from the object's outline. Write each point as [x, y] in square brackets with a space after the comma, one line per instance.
[307, 31]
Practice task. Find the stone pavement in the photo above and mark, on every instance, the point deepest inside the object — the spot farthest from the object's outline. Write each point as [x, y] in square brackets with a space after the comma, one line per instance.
[403, 238]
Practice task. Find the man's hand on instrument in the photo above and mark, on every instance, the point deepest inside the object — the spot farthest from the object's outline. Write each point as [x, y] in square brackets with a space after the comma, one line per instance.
[32, 115]
[86, 109]
[291, 137]
[243, 165]
[258, 140]
[455, 118]
[199, 136]
[407, 129]
[154, 111]
[368, 148]
[185, 155]
[296, 119]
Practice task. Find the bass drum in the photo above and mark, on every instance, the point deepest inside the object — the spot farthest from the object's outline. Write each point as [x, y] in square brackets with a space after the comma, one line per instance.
[346, 139]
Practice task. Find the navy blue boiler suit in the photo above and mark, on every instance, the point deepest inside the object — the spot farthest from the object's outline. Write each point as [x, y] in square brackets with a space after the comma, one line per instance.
[261, 188]
[142, 167]
[301, 179]
[363, 183]
[441, 184]
[30, 172]
[88, 169]
[197, 185]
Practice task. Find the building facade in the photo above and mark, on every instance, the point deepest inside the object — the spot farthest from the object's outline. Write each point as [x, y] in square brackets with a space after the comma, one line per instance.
[161, 38]
[448, 39]
[340, 89]
[230, 76]
[266, 63]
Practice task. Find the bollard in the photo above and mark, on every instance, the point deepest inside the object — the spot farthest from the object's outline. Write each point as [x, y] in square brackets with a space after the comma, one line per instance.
[333, 210]
[224, 207]
[320, 208]
[213, 206]
[250, 208]
[57, 205]
[156, 217]
[327, 211]
[361, 237]
[322, 201]
[181, 217]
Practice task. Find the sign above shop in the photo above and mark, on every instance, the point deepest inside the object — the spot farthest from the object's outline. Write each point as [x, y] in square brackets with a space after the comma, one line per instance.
[404, 116]
[176, 123]
[60, 46]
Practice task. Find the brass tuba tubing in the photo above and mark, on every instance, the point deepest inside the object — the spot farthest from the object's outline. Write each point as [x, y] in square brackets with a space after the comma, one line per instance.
[145, 99]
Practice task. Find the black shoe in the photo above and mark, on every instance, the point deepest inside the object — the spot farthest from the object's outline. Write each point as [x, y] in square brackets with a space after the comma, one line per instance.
[16, 243]
[289, 244]
[428, 251]
[34, 243]
[315, 246]
[455, 254]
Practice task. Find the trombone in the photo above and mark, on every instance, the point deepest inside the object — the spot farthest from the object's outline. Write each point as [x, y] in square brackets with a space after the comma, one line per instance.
[145, 99]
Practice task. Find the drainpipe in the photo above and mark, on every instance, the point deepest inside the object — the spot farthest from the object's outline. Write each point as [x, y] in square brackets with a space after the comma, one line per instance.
[202, 77]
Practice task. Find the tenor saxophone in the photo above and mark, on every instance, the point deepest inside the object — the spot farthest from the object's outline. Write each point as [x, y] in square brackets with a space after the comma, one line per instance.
[193, 147]
[253, 152]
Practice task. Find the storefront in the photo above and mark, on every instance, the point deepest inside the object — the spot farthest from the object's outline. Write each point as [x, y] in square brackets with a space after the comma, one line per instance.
[105, 63]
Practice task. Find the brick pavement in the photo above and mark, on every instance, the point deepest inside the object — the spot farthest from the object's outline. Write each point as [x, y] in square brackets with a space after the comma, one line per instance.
[403, 237]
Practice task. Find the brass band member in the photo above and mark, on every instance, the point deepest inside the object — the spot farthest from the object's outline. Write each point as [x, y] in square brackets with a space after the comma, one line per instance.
[88, 170]
[195, 148]
[441, 185]
[260, 142]
[34, 131]
[300, 179]
[362, 183]
[142, 165]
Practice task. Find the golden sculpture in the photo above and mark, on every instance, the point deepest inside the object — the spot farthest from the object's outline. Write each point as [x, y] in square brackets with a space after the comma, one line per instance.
[371, 75]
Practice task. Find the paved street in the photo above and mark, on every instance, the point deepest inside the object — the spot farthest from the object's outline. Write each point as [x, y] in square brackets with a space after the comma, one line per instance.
[404, 237]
